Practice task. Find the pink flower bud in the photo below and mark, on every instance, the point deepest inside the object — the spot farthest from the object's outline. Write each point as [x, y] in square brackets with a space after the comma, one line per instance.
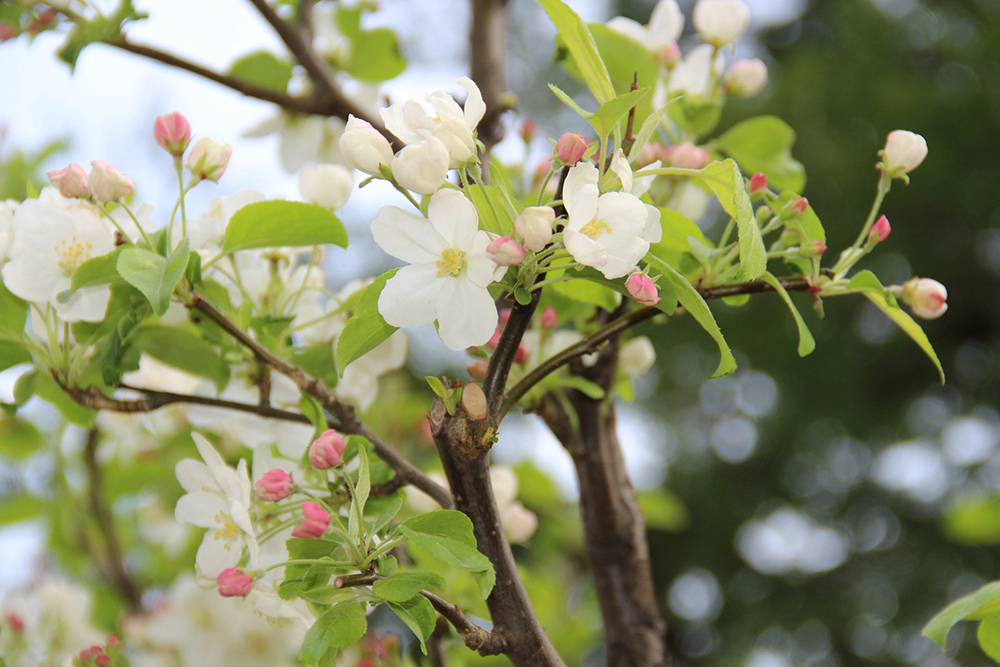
[477, 370]
[799, 206]
[71, 181]
[522, 353]
[15, 622]
[7, 31]
[102, 661]
[814, 249]
[106, 183]
[534, 226]
[495, 338]
[880, 230]
[758, 184]
[113, 641]
[669, 55]
[688, 156]
[274, 485]
[502, 317]
[327, 450]
[570, 148]
[549, 318]
[505, 251]
[642, 289]
[316, 521]
[746, 77]
[234, 582]
[927, 297]
[172, 132]
[528, 129]
[208, 160]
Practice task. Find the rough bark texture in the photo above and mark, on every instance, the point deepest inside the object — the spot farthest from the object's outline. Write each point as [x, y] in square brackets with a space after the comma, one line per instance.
[614, 530]
[488, 49]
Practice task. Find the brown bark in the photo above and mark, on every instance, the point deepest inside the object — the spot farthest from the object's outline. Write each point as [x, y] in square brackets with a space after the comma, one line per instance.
[487, 44]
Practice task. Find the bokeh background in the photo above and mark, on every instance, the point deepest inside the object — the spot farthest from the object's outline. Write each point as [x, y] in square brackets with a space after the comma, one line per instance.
[812, 512]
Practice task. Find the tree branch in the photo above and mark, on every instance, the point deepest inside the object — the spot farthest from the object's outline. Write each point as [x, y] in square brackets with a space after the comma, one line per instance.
[347, 419]
[119, 576]
[587, 344]
[486, 39]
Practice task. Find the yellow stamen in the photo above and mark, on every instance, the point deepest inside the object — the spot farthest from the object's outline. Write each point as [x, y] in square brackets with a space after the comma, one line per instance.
[229, 532]
[74, 253]
[595, 228]
[451, 262]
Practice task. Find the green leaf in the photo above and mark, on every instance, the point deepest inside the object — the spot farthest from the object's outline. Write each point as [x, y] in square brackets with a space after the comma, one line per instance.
[806, 341]
[447, 535]
[726, 181]
[677, 229]
[570, 102]
[624, 58]
[375, 56]
[47, 389]
[360, 497]
[663, 510]
[100, 28]
[19, 438]
[612, 112]
[395, 502]
[692, 301]
[318, 361]
[584, 386]
[340, 626]
[591, 287]
[13, 313]
[419, 616]
[184, 350]
[12, 354]
[988, 635]
[402, 586]
[764, 144]
[367, 329]
[153, 275]
[97, 271]
[974, 520]
[20, 507]
[276, 224]
[436, 386]
[868, 284]
[977, 605]
[263, 69]
[311, 408]
[582, 47]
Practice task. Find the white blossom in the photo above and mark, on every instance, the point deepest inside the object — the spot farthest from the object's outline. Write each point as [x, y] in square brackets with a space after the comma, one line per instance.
[422, 167]
[665, 26]
[7, 209]
[720, 22]
[56, 617]
[328, 185]
[302, 139]
[695, 76]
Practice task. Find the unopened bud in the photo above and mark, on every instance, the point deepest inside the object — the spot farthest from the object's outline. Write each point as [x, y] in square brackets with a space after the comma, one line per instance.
[106, 183]
[327, 450]
[549, 318]
[505, 251]
[208, 160]
[669, 55]
[814, 249]
[903, 152]
[71, 181]
[316, 523]
[688, 156]
[234, 582]
[757, 186]
[747, 77]
[720, 22]
[365, 147]
[642, 289]
[522, 353]
[927, 297]
[534, 225]
[477, 369]
[528, 129]
[173, 133]
[570, 148]
[274, 485]
[798, 206]
[880, 230]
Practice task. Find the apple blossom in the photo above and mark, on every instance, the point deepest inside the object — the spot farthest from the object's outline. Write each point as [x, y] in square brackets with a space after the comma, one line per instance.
[449, 272]
[926, 297]
[720, 22]
[7, 208]
[571, 148]
[422, 167]
[207, 232]
[327, 450]
[328, 185]
[453, 125]
[234, 582]
[695, 75]
[316, 522]
[758, 185]
[173, 133]
[274, 485]
[208, 160]
[302, 139]
[688, 156]
[505, 251]
[636, 357]
[642, 289]
[746, 77]
[669, 55]
[365, 147]
[71, 181]
[665, 26]
[903, 152]
[534, 226]
[218, 498]
[106, 183]
[880, 230]
[610, 232]
[52, 236]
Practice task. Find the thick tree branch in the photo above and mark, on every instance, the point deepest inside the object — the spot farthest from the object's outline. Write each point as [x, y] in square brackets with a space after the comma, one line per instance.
[617, 326]
[506, 350]
[347, 418]
[115, 565]
[486, 39]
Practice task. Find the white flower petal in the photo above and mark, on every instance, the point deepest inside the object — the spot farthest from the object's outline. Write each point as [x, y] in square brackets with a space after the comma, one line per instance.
[205, 510]
[408, 298]
[195, 476]
[653, 231]
[408, 237]
[215, 555]
[580, 192]
[467, 314]
[584, 249]
[454, 217]
[474, 106]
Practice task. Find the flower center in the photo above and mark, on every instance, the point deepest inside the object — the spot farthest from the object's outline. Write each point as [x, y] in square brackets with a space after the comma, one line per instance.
[73, 253]
[229, 531]
[595, 228]
[452, 262]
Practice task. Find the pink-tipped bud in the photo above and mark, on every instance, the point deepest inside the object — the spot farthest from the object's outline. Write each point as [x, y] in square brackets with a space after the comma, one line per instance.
[528, 129]
[549, 318]
[274, 485]
[880, 230]
[7, 31]
[327, 450]
[234, 583]
[927, 297]
[534, 226]
[106, 183]
[15, 622]
[522, 353]
[495, 338]
[208, 160]
[505, 251]
[757, 185]
[570, 148]
[502, 317]
[71, 181]
[799, 206]
[477, 369]
[113, 641]
[642, 289]
[688, 156]
[172, 132]
[814, 249]
[669, 55]
[102, 661]
[316, 521]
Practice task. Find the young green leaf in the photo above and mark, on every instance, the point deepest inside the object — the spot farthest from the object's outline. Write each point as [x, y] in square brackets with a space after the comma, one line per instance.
[340, 626]
[184, 350]
[582, 47]
[764, 144]
[979, 604]
[726, 181]
[275, 224]
[367, 329]
[806, 341]
[360, 497]
[263, 69]
[988, 635]
[311, 408]
[375, 56]
[153, 275]
[419, 616]
[402, 586]
[101, 270]
[13, 313]
[447, 535]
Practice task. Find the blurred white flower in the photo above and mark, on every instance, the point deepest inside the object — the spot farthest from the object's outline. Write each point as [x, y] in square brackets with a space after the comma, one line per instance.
[328, 185]
[55, 615]
[665, 26]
